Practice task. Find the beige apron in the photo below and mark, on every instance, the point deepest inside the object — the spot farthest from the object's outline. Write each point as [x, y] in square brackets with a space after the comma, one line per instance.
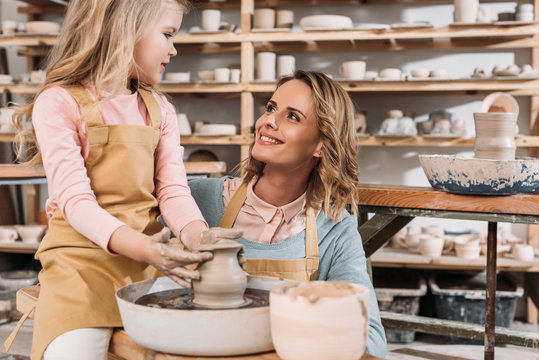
[300, 269]
[79, 279]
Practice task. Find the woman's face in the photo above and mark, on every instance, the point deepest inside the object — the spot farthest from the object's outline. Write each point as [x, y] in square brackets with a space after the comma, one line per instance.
[154, 50]
[287, 133]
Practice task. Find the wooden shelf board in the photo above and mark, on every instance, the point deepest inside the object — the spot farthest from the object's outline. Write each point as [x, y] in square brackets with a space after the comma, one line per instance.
[26, 40]
[428, 198]
[217, 140]
[19, 247]
[9, 171]
[401, 258]
[189, 88]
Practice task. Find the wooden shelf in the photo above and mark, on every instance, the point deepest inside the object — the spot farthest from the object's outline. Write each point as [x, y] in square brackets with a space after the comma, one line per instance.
[217, 140]
[9, 171]
[19, 247]
[27, 40]
[401, 258]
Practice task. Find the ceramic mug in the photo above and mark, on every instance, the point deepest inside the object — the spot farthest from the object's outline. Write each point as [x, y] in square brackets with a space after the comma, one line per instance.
[235, 75]
[264, 18]
[222, 74]
[527, 16]
[353, 70]
[465, 11]
[286, 65]
[8, 234]
[265, 69]
[285, 19]
[211, 19]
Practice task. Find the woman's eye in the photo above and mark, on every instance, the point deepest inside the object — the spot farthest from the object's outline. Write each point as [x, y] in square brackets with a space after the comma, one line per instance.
[293, 117]
[270, 108]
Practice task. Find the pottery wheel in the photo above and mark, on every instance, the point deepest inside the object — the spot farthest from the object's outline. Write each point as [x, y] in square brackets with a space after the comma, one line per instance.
[182, 299]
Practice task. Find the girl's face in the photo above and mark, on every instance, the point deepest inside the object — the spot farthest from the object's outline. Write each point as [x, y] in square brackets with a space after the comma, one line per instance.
[154, 50]
[287, 134]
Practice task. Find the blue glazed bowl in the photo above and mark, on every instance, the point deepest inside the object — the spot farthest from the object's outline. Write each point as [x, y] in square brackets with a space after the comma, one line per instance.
[481, 176]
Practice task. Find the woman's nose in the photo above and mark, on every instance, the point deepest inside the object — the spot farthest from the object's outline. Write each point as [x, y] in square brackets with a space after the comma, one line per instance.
[270, 120]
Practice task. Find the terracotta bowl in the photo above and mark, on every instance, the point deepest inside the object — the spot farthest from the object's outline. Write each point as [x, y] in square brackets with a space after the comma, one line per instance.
[42, 27]
[481, 176]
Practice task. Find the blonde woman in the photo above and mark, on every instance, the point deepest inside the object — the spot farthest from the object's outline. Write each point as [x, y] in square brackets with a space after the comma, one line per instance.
[110, 147]
[290, 203]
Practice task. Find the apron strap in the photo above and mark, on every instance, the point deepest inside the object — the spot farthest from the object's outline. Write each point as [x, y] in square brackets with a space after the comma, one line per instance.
[234, 207]
[90, 110]
[29, 313]
[153, 107]
[311, 243]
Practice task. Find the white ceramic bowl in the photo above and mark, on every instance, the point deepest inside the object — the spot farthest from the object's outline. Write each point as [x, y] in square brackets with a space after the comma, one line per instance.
[501, 100]
[17, 279]
[206, 75]
[178, 76]
[326, 22]
[42, 27]
[481, 176]
[31, 233]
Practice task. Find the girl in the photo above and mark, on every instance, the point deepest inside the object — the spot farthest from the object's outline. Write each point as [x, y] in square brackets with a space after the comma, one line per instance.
[110, 148]
[301, 174]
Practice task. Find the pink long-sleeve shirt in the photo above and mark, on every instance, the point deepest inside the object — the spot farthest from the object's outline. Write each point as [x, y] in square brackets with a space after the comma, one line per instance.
[63, 142]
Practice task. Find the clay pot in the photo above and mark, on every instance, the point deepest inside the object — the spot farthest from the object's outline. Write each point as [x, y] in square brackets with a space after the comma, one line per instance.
[431, 245]
[495, 136]
[222, 280]
[467, 246]
[465, 11]
[319, 320]
[523, 252]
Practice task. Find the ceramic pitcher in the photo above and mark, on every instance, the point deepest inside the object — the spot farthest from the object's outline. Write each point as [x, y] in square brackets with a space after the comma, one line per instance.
[495, 135]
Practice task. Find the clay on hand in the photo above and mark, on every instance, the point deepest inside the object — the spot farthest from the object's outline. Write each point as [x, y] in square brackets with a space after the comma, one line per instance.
[171, 261]
[213, 235]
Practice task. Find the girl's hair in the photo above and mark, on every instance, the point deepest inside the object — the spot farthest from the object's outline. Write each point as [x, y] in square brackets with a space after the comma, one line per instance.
[97, 43]
[334, 180]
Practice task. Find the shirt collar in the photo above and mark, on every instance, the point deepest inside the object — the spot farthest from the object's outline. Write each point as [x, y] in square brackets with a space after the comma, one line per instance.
[267, 211]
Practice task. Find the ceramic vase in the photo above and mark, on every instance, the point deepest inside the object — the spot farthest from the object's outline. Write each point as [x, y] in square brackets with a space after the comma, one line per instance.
[495, 136]
[222, 280]
[319, 320]
[465, 11]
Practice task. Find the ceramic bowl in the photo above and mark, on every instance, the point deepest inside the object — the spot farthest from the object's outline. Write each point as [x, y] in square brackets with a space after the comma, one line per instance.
[326, 22]
[481, 176]
[31, 233]
[6, 79]
[42, 27]
[178, 76]
[206, 75]
[17, 279]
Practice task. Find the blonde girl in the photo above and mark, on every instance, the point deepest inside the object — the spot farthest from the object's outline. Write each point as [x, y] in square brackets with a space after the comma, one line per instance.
[110, 148]
[290, 203]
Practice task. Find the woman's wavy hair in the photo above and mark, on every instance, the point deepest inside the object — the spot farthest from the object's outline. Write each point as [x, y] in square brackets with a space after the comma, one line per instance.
[97, 43]
[332, 184]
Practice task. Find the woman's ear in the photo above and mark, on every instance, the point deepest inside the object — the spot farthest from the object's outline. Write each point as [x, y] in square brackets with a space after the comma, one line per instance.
[318, 150]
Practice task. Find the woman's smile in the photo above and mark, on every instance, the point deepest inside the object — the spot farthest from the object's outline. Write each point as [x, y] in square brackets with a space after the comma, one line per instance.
[268, 140]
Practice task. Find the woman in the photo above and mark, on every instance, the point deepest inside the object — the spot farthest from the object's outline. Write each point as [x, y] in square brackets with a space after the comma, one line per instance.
[290, 202]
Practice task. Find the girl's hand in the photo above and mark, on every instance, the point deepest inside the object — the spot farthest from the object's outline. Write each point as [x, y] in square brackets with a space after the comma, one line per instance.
[171, 261]
[212, 235]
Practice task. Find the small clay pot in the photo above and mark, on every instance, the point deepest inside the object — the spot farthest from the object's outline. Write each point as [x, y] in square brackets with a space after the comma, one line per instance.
[319, 320]
[222, 280]
[495, 135]
[523, 252]
[431, 245]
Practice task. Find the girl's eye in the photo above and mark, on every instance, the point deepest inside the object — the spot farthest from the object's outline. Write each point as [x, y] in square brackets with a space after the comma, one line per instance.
[270, 108]
[168, 35]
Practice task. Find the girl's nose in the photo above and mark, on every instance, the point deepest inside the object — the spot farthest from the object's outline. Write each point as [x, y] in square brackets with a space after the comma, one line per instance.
[173, 51]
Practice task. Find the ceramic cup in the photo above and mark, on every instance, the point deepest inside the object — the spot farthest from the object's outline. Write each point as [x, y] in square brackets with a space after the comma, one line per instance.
[370, 75]
[420, 73]
[353, 70]
[465, 11]
[495, 135]
[264, 18]
[235, 75]
[211, 19]
[483, 14]
[285, 19]
[9, 27]
[391, 74]
[286, 65]
[431, 245]
[265, 69]
[8, 234]
[319, 320]
[523, 252]
[525, 16]
[222, 74]
[183, 124]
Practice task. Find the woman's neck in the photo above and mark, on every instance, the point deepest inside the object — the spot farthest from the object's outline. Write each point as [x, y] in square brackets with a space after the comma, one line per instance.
[279, 188]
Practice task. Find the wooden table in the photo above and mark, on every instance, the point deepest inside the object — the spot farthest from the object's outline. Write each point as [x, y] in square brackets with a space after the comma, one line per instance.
[396, 206]
[122, 347]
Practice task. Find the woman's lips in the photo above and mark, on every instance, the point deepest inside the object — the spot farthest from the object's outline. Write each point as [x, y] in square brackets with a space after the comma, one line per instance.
[267, 139]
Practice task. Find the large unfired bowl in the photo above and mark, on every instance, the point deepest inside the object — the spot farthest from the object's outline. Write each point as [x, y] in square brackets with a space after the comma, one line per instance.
[481, 176]
[326, 22]
[195, 332]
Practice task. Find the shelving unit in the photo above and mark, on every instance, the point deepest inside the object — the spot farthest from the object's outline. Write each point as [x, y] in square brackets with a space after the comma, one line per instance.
[247, 43]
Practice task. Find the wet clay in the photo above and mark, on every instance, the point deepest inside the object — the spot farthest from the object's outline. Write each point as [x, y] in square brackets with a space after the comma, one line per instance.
[222, 281]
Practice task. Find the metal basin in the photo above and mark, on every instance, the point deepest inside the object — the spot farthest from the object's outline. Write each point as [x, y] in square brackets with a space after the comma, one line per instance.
[195, 332]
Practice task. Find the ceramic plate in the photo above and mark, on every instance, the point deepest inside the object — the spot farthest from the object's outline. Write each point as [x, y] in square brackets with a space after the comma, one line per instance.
[514, 23]
[372, 27]
[430, 78]
[399, 26]
[326, 28]
[471, 24]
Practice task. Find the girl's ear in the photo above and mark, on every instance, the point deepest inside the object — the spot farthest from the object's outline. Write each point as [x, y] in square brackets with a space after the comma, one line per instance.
[318, 150]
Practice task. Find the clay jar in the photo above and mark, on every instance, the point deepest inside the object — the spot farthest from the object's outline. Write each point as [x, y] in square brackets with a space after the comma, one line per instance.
[319, 320]
[495, 135]
[222, 280]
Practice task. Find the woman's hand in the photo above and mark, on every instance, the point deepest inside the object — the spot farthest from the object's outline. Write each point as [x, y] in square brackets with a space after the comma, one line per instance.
[157, 251]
